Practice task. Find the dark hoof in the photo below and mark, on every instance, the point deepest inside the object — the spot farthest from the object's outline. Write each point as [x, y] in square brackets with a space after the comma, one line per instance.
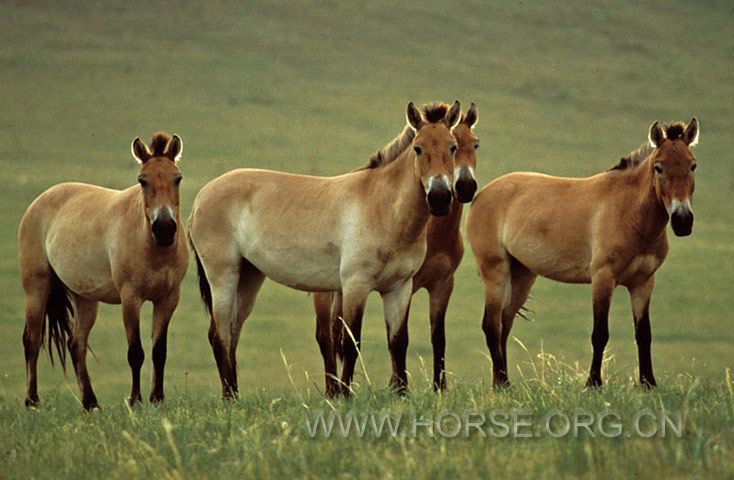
[439, 385]
[333, 390]
[346, 391]
[132, 401]
[158, 398]
[500, 383]
[593, 382]
[648, 383]
[91, 406]
[31, 402]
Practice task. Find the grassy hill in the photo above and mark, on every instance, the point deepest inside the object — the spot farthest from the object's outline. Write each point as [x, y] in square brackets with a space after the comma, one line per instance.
[316, 87]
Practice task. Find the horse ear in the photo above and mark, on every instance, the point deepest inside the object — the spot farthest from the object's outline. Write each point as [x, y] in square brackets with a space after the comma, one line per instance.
[454, 115]
[692, 132]
[656, 135]
[415, 119]
[174, 148]
[141, 152]
[470, 119]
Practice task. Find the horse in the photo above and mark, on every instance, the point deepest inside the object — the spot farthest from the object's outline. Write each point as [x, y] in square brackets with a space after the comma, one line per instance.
[607, 230]
[359, 232]
[445, 249]
[82, 244]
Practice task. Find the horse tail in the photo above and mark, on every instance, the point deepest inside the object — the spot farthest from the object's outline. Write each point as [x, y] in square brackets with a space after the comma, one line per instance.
[59, 313]
[205, 289]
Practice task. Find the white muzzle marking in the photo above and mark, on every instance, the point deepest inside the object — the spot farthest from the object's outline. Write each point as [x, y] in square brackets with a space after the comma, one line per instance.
[676, 206]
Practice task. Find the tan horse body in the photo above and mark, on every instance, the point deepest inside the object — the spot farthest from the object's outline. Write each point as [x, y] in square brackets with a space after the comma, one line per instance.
[607, 230]
[445, 249]
[81, 244]
[359, 232]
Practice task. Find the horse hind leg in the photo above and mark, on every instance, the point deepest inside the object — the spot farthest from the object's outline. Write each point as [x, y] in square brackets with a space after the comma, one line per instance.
[522, 281]
[251, 279]
[86, 314]
[495, 272]
[37, 287]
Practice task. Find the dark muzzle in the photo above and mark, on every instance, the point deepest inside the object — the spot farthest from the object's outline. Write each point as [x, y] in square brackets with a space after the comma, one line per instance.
[164, 231]
[682, 222]
[439, 200]
[465, 187]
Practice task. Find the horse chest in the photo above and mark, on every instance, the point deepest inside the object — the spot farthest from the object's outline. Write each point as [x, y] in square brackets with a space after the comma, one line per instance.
[640, 267]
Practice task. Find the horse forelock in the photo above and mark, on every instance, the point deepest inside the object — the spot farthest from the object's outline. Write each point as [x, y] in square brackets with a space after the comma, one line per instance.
[435, 112]
[675, 130]
[159, 143]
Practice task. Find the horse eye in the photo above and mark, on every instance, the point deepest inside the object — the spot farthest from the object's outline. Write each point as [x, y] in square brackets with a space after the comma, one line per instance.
[476, 145]
[418, 150]
[452, 149]
[142, 182]
[693, 167]
[658, 169]
[177, 182]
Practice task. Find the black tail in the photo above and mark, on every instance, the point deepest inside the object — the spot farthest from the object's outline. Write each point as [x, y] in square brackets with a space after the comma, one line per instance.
[204, 289]
[59, 313]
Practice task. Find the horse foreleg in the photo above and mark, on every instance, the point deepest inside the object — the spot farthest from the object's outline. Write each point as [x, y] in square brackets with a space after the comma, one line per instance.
[640, 299]
[162, 313]
[396, 303]
[86, 314]
[353, 299]
[322, 302]
[602, 286]
[135, 354]
[439, 296]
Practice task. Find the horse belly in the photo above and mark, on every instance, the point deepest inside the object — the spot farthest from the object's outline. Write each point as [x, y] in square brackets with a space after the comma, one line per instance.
[563, 265]
[83, 267]
[298, 268]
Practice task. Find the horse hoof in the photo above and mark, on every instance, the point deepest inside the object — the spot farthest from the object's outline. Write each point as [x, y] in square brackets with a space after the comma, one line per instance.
[593, 383]
[31, 403]
[156, 399]
[648, 383]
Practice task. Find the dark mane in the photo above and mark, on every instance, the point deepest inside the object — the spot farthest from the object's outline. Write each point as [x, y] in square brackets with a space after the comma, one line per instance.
[675, 130]
[432, 113]
[435, 112]
[634, 158]
[392, 150]
[159, 143]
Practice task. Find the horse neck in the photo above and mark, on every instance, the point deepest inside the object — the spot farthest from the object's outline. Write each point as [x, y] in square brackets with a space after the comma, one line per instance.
[448, 224]
[407, 199]
[648, 210]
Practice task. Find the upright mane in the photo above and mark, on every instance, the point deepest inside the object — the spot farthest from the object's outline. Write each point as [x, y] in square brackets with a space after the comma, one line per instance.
[634, 158]
[159, 143]
[673, 131]
[432, 112]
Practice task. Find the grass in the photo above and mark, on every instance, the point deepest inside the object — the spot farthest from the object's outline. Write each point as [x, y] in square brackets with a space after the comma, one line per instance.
[315, 88]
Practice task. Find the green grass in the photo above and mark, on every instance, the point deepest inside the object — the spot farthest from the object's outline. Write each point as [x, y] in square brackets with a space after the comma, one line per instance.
[315, 88]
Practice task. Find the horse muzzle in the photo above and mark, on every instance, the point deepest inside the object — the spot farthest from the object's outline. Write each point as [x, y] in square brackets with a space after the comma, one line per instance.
[466, 186]
[164, 231]
[681, 217]
[439, 196]
[682, 222]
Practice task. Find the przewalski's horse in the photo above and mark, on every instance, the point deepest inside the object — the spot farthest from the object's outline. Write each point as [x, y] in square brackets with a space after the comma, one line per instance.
[358, 232]
[444, 252]
[607, 230]
[82, 244]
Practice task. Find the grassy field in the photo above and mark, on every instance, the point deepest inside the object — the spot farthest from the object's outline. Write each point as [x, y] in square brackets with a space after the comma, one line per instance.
[315, 88]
